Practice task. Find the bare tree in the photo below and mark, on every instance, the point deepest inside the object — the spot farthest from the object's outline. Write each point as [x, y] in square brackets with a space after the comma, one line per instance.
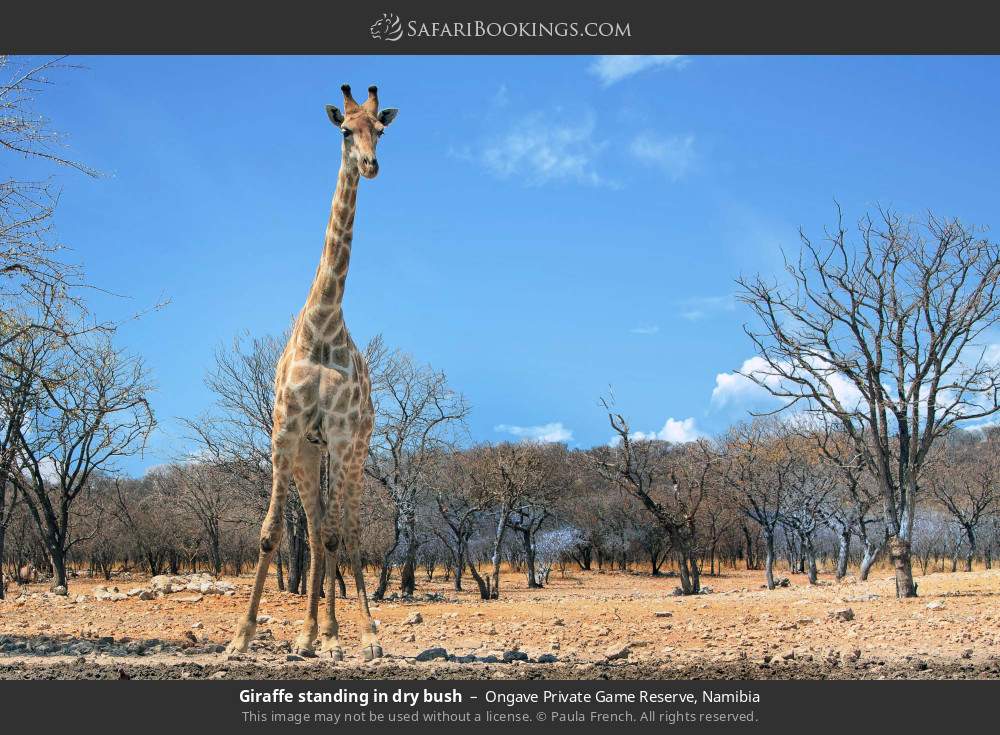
[34, 277]
[759, 470]
[670, 485]
[201, 491]
[885, 336]
[964, 482]
[91, 410]
[417, 416]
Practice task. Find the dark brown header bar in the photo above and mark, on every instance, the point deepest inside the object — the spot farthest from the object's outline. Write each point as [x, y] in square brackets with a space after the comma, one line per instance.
[510, 27]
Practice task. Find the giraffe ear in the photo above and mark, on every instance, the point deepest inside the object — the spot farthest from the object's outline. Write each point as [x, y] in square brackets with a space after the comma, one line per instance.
[336, 117]
[388, 115]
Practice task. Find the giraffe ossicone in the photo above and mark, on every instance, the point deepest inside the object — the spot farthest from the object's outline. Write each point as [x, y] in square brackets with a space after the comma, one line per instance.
[322, 404]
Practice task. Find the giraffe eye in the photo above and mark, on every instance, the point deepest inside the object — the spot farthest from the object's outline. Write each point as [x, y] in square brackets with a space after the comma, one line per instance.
[347, 133]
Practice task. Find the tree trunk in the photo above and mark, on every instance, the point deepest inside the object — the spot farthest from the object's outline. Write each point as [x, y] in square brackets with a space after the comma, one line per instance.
[278, 564]
[494, 588]
[529, 558]
[341, 585]
[810, 558]
[868, 559]
[769, 560]
[843, 552]
[483, 584]
[971, 536]
[459, 567]
[57, 558]
[751, 562]
[899, 553]
[385, 574]
[408, 569]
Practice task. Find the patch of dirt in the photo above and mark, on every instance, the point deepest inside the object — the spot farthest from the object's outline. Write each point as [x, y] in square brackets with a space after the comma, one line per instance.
[588, 625]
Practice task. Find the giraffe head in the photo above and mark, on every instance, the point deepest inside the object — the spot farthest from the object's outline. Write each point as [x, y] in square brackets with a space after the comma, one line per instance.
[361, 125]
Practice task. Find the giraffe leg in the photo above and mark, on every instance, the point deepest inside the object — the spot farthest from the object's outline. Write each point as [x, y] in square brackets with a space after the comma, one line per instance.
[370, 646]
[306, 474]
[270, 537]
[330, 635]
[329, 641]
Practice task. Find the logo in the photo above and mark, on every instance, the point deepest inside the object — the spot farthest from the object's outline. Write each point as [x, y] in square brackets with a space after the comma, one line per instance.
[387, 28]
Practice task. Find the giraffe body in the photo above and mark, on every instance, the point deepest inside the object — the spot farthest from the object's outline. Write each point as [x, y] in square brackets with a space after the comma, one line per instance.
[323, 404]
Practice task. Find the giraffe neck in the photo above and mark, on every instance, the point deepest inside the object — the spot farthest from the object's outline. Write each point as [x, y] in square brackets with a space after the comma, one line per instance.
[331, 276]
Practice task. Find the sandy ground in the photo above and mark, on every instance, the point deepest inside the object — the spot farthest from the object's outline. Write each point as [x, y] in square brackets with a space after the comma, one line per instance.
[583, 625]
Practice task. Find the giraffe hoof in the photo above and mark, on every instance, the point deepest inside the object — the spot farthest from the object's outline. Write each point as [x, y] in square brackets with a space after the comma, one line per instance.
[304, 652]
[371, 651]
[241, 641]
[330, 646]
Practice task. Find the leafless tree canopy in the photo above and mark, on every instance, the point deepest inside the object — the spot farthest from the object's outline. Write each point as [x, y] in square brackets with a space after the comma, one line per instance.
[883, 330]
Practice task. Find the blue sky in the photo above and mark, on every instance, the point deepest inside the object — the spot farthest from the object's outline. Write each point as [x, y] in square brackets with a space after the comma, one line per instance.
[542, 227]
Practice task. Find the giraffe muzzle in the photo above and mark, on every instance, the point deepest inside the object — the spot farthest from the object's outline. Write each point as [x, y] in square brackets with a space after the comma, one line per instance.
[369, 167]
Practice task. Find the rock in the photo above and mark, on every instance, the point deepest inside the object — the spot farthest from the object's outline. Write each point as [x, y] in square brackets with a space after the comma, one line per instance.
[135, 592]
[147, 595]
[80, 598]
[198, 626]
[467, 659]
[706, 591]
[60, 590]
[192, 598]
[935, 605]
[618, 652]
[409, 638]
[261, 619]
[547, 658]
[514, 655]
[788, 655]
[967, 653]
[663, 614]
[432, 654]
[779, 582]
[844, 614]
[863, 598]
[558, 621]
[414, 619]
[555, 645]
[293, 657]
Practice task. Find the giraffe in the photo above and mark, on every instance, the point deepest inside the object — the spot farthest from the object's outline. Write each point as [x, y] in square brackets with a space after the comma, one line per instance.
[322, 403]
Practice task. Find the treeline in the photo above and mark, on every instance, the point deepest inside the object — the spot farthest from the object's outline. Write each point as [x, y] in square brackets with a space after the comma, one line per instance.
[769, 494]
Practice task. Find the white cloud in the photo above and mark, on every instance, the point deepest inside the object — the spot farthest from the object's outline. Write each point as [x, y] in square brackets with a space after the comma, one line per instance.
[674, 155]
[545, 433]
[735, 387]
[677, 431]
[612, 69]
[541, 149]
[645, 329]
